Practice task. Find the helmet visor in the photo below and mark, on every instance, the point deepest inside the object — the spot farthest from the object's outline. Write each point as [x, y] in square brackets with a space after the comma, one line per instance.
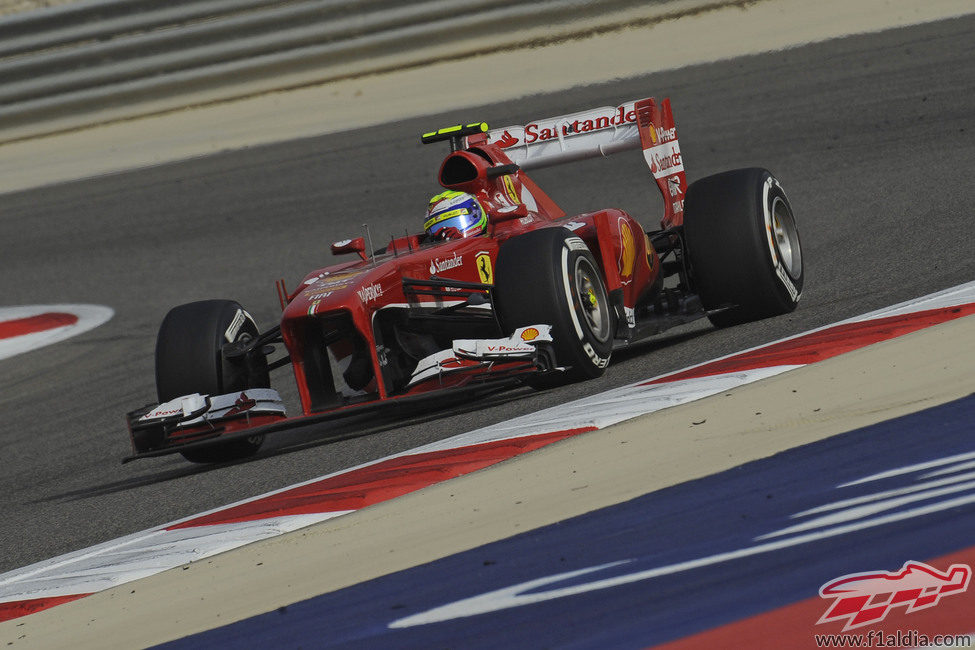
[460, 218]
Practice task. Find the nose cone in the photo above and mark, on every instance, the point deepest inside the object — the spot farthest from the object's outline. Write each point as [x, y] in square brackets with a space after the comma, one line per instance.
[329, 290]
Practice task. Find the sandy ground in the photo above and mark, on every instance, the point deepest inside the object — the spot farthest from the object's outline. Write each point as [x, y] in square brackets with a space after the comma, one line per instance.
[563, 480]
[698, 38]
[8, 7]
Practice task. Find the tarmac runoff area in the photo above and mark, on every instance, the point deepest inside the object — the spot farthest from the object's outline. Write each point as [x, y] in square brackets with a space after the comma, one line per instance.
[563, 480]
[566, 479]
[700, 36]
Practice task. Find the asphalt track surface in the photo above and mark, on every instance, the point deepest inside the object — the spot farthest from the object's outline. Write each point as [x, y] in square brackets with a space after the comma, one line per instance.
[872, 137]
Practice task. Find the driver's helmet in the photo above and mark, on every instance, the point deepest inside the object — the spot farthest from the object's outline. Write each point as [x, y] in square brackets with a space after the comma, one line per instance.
[454, 215]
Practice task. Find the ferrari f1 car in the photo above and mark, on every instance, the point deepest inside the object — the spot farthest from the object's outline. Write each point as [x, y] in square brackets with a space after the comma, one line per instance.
[541, 298]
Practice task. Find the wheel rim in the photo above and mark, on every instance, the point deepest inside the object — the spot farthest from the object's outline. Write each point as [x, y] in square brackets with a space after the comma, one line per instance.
[786, 238]
[592, 299]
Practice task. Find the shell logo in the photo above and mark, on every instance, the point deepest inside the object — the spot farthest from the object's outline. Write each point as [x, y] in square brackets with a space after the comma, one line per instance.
[529, 334]
[627, 251]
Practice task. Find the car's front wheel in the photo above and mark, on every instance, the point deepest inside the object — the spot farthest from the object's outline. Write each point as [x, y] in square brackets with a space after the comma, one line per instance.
[190, 359]
[549, 276]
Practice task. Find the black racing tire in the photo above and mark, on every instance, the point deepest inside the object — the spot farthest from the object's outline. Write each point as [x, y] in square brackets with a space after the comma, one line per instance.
[189, 360]
[549, 276]
[743, 246]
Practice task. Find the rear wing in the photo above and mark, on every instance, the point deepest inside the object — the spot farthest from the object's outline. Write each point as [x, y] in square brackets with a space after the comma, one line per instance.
[603, 131]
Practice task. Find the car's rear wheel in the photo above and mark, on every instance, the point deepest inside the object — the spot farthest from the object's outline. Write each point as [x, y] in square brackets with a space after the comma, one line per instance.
[548, 276]
[189, 359]
[743, 245]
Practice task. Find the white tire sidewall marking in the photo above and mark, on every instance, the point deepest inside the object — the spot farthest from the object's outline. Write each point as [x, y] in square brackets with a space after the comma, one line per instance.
[777, 266]
[568, 294]
[240, 318]
[573, 243]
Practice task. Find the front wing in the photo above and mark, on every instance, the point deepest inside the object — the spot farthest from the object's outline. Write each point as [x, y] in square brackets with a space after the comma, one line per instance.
[195, 421]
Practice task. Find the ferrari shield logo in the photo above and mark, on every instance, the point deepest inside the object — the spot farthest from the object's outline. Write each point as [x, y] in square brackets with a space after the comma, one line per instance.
[483, 263]
[627, 252]
[509, 187]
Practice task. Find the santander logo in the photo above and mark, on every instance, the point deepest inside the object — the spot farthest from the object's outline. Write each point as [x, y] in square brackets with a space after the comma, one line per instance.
[507, 140]
[438, 265]
[535, 131]
[664, 159]
[576, 124]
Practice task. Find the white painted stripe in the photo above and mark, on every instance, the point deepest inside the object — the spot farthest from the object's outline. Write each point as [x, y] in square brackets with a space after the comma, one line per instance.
[865, 510]
[89, 317]
[951, 469]
[517, 595]
[955, 296]
[140, 555]
[607, 408]
[846, 503]
[907, 469]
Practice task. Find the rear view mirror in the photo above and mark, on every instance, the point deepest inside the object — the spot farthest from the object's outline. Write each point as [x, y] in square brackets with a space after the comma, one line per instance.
[510, 212]
[357, 245]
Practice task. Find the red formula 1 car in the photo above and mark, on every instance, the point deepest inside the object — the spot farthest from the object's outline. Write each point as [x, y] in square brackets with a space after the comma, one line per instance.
[539, 298]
